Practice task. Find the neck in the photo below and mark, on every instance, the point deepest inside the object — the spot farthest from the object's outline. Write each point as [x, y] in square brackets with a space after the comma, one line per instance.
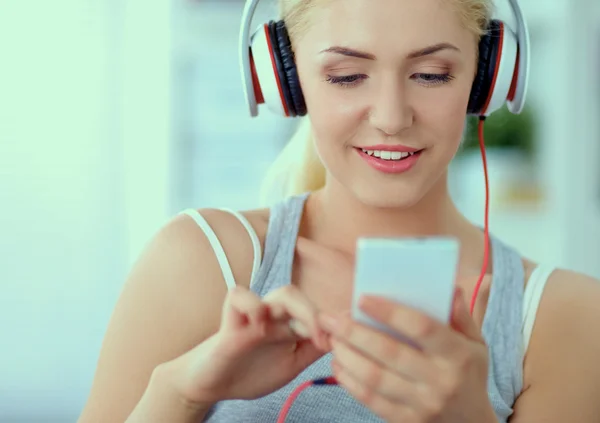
[337, 218]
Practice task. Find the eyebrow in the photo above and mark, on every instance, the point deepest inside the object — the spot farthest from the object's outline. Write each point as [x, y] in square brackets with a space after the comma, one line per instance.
[345, 51]
[432, 50]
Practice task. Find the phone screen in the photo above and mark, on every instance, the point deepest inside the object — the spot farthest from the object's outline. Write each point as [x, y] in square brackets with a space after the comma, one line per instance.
[417, 272]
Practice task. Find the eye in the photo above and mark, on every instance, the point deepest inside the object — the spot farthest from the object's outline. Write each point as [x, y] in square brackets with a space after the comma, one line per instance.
[427, 79]
[432, 79]
[347, 80]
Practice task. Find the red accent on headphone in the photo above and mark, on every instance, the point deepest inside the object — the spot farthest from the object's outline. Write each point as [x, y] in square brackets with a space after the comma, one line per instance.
[513, 85]
[260, 99]
[498, 60]
[275, 70]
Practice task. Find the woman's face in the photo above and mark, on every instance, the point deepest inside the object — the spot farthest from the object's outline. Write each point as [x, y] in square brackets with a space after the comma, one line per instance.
[387, 84]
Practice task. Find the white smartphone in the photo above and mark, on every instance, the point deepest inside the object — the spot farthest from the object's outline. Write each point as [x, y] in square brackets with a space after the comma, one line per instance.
[417, 272]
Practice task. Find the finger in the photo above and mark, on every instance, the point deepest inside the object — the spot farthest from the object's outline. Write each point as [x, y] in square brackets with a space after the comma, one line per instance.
[299, 329]
[278, 312]
[397, 356]
[374, 377]
[429, 333]
[461, 319]
[243, 307]
[389, 411]
[280, 315]
[300, 309]
[280, 332]
[271, 319]
[288, 331]
[283, 322]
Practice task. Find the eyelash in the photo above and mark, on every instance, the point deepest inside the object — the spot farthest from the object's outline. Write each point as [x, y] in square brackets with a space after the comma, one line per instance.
[352, 80]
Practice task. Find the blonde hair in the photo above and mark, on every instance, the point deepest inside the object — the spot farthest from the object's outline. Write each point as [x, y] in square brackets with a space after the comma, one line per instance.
[298, 168]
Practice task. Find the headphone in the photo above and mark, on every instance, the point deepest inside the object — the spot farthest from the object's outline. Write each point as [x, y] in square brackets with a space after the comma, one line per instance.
[269, 74]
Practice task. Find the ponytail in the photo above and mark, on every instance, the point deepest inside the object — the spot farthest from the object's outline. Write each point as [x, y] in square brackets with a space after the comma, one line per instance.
[298, 168]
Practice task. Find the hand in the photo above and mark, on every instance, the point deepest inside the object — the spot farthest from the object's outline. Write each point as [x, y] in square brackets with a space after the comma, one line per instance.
[261, 346]
[444, 380]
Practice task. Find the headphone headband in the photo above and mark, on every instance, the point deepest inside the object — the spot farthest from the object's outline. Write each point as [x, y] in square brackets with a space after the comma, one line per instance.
[515, 100]
[244, 56]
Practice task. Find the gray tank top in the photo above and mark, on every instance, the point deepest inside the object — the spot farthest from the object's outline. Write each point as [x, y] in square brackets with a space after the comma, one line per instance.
[331, 404]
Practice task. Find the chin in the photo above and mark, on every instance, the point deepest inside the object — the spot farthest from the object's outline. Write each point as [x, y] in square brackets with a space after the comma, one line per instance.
[399, 197]
[358, 182]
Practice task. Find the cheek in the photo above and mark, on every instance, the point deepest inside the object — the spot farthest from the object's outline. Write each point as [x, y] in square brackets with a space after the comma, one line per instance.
[335, 121]
[446, 115]
[330, 102]
[331, 108]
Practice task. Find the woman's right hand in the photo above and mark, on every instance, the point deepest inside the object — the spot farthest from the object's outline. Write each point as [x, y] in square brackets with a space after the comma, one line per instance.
[261, 345]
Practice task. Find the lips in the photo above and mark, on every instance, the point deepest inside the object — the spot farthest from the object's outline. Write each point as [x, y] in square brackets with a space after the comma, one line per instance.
[390, 162]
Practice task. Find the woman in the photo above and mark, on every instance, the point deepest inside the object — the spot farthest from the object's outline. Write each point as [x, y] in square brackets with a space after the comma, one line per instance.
[182, 348]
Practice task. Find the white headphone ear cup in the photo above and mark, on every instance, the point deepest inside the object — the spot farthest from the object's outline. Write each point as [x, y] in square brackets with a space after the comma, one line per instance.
[266, 71]
[505, 71]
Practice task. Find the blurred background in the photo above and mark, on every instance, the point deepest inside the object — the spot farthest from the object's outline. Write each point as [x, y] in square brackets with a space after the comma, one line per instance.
[117, 114]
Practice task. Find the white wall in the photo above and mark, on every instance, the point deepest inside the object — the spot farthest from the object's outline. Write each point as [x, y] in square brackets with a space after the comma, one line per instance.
[221, 152]
[62, 216]
[84, 162]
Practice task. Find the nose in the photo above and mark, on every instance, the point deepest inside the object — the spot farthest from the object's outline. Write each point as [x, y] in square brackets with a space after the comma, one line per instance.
[391, 112]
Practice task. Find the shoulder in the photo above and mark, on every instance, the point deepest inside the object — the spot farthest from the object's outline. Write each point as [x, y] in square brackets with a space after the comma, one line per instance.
[182, 245]
[170, 302]
[232, 235]
[180, 267]
[561, 360]
[568, 311]
[568, 305]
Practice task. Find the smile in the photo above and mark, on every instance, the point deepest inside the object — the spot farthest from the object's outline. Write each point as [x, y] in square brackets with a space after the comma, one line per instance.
[387, 155]
[391, 162]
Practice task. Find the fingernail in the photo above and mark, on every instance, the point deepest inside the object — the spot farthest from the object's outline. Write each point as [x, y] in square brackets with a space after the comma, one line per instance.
[299, 329]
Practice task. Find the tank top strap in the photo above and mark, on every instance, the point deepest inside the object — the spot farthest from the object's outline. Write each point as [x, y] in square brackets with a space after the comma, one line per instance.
[280, 244]
[503, 322]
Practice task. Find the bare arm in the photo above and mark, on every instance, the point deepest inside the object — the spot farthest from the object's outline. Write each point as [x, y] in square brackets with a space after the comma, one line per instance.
[562, 375]
[170, 303]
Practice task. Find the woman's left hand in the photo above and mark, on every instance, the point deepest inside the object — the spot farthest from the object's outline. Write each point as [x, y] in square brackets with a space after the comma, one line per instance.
[444, 381]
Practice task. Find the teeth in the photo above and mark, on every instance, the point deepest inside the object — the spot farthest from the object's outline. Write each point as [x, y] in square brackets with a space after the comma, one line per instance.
[387, 155]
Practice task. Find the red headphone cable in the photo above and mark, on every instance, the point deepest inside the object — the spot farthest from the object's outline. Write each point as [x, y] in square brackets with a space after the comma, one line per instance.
[486, 215]
[331, 380]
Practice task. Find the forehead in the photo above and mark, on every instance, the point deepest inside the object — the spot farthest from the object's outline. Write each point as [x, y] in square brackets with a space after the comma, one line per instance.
[386, 25]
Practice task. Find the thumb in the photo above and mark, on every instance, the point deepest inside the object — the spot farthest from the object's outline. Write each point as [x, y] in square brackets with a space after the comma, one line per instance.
[242, 308]
[461, 319]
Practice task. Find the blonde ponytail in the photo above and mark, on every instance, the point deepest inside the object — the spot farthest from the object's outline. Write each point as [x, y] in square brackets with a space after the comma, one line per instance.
[298, 168]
